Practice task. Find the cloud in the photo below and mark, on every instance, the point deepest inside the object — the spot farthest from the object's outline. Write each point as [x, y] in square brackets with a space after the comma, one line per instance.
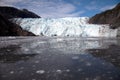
[9, 2]
[107, 7]
[53, 15]
[45, 8]
[51, 9]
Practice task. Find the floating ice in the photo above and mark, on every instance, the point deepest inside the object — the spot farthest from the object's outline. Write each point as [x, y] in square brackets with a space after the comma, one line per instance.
[75, 57]
[21, 67]
[40, 71]
[67, 70]
[79, 69]
[36, 61]
[59, 71]
[88, 64]
[77, 26]
[11, 72]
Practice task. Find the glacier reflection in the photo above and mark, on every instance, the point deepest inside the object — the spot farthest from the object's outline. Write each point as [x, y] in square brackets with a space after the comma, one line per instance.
[66, 45]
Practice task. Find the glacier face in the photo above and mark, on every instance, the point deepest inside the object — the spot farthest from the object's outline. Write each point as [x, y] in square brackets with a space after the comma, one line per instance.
[77, 26]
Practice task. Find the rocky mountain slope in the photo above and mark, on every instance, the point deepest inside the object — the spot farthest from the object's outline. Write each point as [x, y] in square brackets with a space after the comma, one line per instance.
[7, 28]
[11, 12]
[111, 17]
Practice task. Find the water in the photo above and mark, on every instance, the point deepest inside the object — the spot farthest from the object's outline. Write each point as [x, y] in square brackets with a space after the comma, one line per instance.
[35, 58]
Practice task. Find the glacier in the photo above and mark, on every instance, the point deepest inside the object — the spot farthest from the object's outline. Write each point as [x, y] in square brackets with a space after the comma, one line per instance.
[69, 26]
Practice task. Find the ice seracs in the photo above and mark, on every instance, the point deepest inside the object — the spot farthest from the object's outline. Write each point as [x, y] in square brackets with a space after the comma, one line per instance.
[71, 26]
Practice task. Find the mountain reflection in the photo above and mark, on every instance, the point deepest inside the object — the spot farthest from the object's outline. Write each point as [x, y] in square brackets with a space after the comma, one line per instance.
[111, 54]
[13, 54]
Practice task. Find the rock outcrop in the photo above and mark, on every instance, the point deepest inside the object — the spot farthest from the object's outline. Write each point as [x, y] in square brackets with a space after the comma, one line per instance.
[8, 28]
[111, 17]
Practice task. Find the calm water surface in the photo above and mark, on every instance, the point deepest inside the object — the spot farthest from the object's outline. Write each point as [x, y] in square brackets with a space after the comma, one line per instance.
[60, 59]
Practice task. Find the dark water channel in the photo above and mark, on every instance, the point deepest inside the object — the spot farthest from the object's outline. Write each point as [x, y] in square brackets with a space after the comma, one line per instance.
[61, 59]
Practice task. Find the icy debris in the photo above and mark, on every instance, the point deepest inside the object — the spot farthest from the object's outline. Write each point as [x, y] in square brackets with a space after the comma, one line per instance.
[77, 26]
[111, 78]
[59, 71]
[67, 70]
[11, 37]
[3, 76]
[8, 50]
[97, 78]
[40, 71]
[36, 61]
[75, 57]
[20, 71]
[103, 63]
[86, 78]
[11, 72]
[33, 65]
[88, 64]
[32, 74]
[26, 49]
[59, 39]
[79, 69]
[21, 67]
[109, 72]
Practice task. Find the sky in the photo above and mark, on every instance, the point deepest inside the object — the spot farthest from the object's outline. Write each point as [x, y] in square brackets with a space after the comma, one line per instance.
[62, 8]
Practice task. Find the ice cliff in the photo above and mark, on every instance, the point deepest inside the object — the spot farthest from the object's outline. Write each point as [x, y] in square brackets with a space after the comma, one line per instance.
[77, 26]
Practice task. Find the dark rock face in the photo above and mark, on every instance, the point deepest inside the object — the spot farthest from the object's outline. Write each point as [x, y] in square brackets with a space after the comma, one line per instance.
[11, 12]
[111, 17]
[8, 28]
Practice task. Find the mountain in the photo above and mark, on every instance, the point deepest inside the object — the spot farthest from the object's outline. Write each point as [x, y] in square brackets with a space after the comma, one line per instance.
[111, 17]
[11, 12]
[8, 28]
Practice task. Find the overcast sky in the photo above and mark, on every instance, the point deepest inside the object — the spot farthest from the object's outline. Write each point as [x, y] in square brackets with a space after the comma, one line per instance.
[62, 8]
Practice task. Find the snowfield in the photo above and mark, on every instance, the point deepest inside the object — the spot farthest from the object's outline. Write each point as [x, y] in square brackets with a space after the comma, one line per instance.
[71, 26]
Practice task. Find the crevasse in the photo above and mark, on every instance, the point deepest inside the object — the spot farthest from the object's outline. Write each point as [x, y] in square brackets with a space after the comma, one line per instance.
[76, 26]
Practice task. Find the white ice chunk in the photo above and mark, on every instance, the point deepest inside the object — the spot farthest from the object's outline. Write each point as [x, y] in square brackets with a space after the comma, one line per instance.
[59, 71]
[40, 71]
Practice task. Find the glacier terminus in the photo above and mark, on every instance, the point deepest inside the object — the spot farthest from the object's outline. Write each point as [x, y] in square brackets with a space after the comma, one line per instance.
[69, 26]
